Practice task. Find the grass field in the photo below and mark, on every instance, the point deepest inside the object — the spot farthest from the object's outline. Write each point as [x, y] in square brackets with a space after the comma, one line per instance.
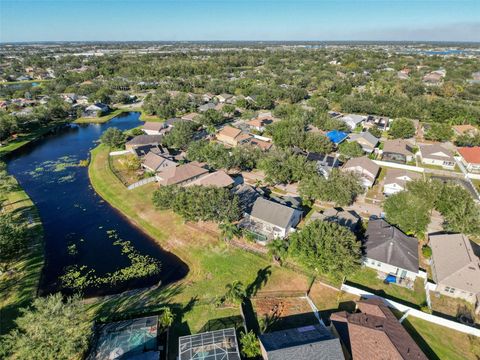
[100, 119]
[212, 263]
[19, 288]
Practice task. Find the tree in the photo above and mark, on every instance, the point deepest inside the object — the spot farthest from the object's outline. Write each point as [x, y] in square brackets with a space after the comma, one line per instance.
[211, 117]
[228, 231]
[235, 292]
[375, 132]
[166, 319]
[181, 135]
[50, 329]
[113, 137]
[278, 249]
[350, 149]
[317, 143]
[410, 213]
[250, 344]
[13, 239]
[284, 167]
[439, 132]
[402, 129]
[326, 247]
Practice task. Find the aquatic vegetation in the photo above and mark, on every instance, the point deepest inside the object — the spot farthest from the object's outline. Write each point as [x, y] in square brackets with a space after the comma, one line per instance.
[80, 277]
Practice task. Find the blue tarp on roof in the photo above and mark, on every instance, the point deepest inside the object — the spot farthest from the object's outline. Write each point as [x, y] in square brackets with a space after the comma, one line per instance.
[336, 136]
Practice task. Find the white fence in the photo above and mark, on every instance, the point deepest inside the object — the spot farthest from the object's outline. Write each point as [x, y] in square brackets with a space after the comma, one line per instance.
[120, 152]
[399, 166]
[141, 182]
[414, 312]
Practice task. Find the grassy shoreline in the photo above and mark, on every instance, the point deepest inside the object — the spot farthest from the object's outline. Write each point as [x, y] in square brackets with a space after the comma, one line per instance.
[116, 112]
[20, 289]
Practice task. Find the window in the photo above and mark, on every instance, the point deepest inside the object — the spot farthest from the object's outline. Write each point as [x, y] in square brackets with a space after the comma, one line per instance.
[449, 289]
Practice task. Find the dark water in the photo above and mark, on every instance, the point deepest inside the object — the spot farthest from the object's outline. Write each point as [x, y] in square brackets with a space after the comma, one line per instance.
[73, 214]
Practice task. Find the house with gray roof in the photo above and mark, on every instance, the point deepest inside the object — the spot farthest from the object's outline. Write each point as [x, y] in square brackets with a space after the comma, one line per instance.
[437, 155]
[142, 140]
[367, 141]
[455, 267]
[347, 218]
[389, 251]
[269, 220]
[154, 162]
[397, 150]
[353, 120]
[396, 180]
[314, 342]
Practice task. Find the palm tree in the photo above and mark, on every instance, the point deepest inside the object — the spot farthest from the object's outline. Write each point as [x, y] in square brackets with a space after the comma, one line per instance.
[250, 344]
[167, 317]
[278, 249]
[235, 292]
[228, 231]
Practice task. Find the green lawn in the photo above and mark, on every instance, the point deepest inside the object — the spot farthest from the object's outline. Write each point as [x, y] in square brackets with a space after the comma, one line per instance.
[439, 342]
[100, 119]
[19, 289]
[367, 278]
[24, 139]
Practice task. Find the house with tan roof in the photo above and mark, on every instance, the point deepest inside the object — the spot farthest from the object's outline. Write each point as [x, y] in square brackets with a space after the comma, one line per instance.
[260, 122]
[373, 332]
[396, 180]
[153, 128]
[365, 168]
[190, 116]
[232, 136]
[218, 179]
[155, 162]
[437, 155]
[397, 150]
[470, 158]
[180, 175]
[455, 267]
[464, 130]
[261, 144]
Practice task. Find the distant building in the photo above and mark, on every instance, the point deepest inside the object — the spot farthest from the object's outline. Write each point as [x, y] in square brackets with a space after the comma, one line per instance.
[374, 333]
[396, 180]
[455, 267]
[465, 130]
[97, 109]
[470, 158]
[314, 342]
[437, 155]
[232, 136]
[389, 251]
[212, 345]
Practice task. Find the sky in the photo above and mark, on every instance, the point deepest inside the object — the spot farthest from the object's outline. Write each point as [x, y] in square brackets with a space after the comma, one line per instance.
[176, 20]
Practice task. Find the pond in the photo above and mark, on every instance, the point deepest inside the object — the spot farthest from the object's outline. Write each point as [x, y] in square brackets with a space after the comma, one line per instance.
[77, 222]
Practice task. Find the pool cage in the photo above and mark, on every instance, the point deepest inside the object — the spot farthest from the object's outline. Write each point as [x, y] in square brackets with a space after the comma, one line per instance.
[214, 345]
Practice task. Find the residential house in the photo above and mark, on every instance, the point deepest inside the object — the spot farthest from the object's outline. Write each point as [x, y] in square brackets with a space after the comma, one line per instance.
[260, 122]
[179, 175]
[389, 251]
[396, 180]
[436, 154]
[365, 168]
[218, 179]
[142, 150]
[142, 140]
[170, 123]
[374, 333]
[465, 130]
[353, 120]
[207, 106]
[314, 342]
[211, 345]
[325, 163]
[367, 141]
[261, 144]
[347, 218]
[434, 77]
[380, 122]
[455, 267]
[397, 150]
[153, 128]
[232, 136]
[470, 158]
[225, 98]
[154, 162]
[97, 109]
[269, 220]
[247, 195]
[190, 116]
